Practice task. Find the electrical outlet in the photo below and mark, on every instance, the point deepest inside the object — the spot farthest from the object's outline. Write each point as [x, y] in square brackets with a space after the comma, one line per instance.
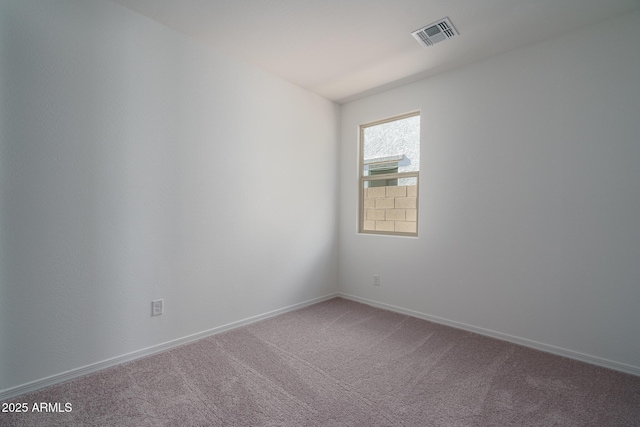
[157, 307]
[376, 280]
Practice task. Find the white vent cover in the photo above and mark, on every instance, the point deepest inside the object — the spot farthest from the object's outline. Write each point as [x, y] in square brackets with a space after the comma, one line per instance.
[435, 32]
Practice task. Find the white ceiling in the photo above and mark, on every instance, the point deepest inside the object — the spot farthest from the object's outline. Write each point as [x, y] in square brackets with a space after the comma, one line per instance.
[346, 49]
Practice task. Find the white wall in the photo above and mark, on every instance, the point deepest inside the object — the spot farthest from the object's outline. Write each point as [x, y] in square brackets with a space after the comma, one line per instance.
[529, 197]
[137, 164]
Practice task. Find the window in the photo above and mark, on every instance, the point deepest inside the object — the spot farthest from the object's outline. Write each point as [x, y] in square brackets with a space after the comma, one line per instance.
[389, 168]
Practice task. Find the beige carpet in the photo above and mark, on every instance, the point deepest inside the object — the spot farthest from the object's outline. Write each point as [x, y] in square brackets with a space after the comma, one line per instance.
[341, 363]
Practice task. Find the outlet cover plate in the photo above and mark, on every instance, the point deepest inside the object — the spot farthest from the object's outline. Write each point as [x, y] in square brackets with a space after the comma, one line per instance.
[157, 307]
[376, 280]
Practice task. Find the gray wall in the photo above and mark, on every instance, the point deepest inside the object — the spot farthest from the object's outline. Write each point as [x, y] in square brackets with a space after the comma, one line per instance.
[137, 164]
[529, 222]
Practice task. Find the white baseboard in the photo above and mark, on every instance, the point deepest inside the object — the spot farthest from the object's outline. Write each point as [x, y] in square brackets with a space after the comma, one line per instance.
[94, 367]
[622, 367]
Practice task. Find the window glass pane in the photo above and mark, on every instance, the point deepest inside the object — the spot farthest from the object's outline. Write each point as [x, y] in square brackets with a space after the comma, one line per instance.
[390, 150]
[394, 145]
[390, 208]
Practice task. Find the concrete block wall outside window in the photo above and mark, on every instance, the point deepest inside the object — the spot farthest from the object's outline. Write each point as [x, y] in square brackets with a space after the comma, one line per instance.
[391, 208]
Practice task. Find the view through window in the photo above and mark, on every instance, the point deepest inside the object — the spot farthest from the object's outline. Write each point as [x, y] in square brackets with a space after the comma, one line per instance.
[389, 168]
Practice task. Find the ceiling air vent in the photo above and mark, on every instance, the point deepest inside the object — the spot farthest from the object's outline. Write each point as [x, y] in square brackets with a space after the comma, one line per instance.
[435, 32]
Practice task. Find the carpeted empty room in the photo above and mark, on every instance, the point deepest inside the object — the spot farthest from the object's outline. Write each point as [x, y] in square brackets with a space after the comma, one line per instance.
[319, 213]
[343, 363]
